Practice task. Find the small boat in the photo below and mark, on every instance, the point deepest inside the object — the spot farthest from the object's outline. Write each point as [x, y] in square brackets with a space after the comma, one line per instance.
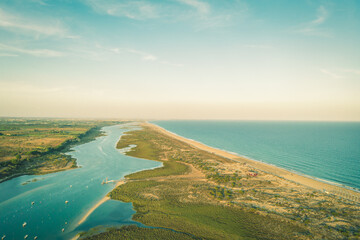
[3, 237]
[65, 223]
[66, 202]
[26, 236]
[71, 186]
[32, 203]
[63, 229]
[24, 224]
[35, 237]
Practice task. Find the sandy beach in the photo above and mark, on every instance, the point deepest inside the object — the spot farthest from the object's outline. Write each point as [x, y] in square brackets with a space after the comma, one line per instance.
[104, 199]
[299, 179]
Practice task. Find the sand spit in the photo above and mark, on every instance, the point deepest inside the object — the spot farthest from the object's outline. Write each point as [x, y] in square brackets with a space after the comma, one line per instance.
[104, 199]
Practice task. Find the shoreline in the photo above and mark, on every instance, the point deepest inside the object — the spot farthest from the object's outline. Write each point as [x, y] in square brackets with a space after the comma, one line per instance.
[94, 207]
[64, 148]
[274, 170]
[91, 210]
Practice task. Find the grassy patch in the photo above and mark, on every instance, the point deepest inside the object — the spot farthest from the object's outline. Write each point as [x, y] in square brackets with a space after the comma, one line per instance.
[135, 233]
[169, 168]
[199, 218]
[144, 148]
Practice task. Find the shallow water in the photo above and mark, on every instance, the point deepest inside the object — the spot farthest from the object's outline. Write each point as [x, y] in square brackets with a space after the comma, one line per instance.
[325, 150]
[81, 187]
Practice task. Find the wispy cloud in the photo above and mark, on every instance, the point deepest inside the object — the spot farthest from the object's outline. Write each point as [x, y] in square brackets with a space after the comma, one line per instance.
[322, 15]
[10, 50]
[342, 73]
[145, 56]
[139, 10]
[7, 55]
[331, 74]
[313, 28]
[201, 7]
[351, 71]
[152, 58]
[41, 2]
[14, 23]
[211, 17]
[200, 13]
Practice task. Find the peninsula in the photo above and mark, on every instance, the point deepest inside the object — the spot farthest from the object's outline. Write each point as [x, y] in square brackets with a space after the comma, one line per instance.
[206, 193]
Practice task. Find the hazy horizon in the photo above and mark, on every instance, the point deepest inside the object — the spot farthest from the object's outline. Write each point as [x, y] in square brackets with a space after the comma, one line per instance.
[180, 59]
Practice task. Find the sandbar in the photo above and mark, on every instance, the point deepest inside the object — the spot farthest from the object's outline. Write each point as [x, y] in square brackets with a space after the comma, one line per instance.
[104, 199]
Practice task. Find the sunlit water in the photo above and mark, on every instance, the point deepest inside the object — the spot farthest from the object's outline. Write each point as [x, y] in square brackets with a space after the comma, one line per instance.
[81, 187]
[325, 150]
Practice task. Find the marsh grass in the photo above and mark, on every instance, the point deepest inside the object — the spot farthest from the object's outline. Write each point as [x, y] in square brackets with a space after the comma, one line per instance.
[168, 169]
[133, 232]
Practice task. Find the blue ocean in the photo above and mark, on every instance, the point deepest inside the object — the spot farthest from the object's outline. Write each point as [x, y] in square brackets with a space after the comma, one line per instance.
[329, 151]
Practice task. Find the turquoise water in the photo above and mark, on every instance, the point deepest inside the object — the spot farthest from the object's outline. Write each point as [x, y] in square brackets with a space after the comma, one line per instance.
[46, 218]
[325, 150]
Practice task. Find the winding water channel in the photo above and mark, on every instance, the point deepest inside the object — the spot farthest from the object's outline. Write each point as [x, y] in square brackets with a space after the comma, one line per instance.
[40, 200]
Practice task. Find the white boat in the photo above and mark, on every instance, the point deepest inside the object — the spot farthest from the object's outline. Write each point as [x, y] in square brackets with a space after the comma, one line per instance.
[66, 202]
[35, 237]
[3, 237]
[24, 224]
[26, 236]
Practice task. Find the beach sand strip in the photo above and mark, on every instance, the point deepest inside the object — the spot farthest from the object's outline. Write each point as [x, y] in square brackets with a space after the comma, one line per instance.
[282, 173]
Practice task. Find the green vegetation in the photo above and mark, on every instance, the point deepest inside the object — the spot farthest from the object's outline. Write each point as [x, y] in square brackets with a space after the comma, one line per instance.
[163, 204]
[221, 193]
[169, 168]
[224, 200]
[224, 178]
[38, 146]
[165, 198]
[145, 149]
[135, 233]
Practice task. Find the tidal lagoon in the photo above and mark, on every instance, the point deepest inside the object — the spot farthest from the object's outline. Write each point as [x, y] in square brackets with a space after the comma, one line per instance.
[51, 206]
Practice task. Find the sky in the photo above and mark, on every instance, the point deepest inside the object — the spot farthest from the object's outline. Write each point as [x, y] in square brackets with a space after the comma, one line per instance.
[181, 59]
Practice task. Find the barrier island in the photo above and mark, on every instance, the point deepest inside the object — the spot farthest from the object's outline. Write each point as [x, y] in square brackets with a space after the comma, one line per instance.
[201, 193]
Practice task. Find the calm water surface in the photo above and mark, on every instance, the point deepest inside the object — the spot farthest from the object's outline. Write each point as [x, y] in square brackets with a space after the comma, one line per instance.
[81, 187]
[325, 150]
